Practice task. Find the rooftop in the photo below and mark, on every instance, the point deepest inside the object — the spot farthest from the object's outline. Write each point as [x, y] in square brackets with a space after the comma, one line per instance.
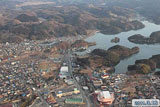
[105, 94]
[78, 100]
[64, 69]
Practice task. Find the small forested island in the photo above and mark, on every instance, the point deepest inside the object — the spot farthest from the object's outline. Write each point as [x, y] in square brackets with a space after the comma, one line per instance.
[145, 66]
[115, 40]
[140, 39]
[106, 58]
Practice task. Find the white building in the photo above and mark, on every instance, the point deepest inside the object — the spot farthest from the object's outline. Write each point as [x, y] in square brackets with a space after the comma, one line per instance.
[63, 72]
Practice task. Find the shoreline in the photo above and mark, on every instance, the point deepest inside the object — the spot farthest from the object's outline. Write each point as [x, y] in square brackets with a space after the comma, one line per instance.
[90, 33]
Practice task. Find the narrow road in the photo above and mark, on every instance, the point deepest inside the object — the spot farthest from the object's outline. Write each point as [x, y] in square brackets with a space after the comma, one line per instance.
[43, 101]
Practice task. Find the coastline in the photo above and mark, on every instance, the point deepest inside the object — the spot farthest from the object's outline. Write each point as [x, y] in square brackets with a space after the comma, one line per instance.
[90, 33]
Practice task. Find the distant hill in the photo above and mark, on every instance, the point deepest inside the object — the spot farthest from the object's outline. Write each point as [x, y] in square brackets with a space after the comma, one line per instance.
[27, 18]
[71, 20]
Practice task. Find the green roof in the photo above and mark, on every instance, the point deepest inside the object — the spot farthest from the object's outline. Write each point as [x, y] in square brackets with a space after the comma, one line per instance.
[74, 100]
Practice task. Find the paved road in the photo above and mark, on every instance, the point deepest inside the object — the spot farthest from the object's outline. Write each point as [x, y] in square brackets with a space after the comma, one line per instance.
[67, 58]
[43, 101]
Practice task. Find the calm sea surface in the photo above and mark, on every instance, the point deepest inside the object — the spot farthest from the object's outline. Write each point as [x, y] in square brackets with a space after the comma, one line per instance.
[146, 51]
